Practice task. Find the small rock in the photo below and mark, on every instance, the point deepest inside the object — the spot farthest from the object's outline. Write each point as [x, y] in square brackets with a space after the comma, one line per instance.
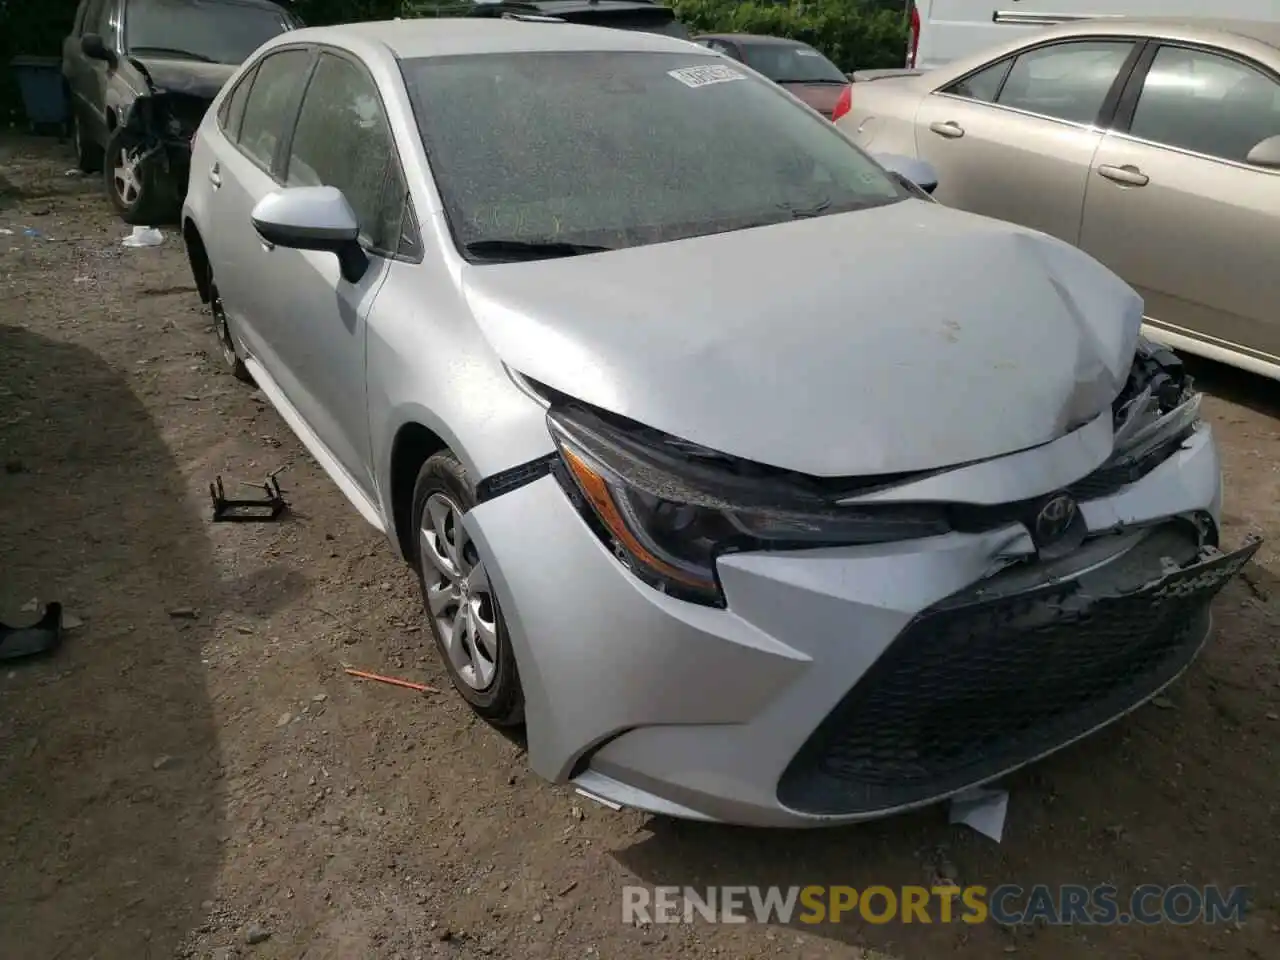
[537, 918]
[164, 762]
[70, 621]
[444, 934]
[319, 698]
[247, 631]
[1116, 832]
[31, 606]
[256, 933]
[1273, 716]
[183, 613]
[1163, 703]
[576, 812]
[284, 720]
[568, 889]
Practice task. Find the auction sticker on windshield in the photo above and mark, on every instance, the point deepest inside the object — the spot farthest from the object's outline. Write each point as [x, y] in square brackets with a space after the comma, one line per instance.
[705, 76]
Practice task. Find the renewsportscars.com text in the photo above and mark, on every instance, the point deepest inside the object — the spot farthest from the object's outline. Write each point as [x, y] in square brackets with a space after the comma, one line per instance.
[1007, 905]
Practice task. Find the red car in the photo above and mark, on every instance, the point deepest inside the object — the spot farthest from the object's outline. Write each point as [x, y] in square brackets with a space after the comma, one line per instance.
[803, 70]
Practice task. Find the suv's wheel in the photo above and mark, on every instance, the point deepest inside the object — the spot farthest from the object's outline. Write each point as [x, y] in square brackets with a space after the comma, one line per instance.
[88, 153]
[137, 187]
[231, 360]
[461, 607]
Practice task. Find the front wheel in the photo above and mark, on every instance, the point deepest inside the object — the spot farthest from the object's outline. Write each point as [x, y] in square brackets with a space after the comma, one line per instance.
[138, 185]
[462, 608]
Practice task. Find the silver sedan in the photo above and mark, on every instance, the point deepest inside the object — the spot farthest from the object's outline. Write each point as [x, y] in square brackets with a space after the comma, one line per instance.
[723, 465]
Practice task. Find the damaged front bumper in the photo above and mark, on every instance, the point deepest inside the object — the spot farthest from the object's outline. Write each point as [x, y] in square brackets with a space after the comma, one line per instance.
[840, 683]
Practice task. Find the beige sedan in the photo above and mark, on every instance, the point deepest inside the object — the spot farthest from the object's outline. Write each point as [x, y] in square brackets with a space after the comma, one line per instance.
[1152, 145]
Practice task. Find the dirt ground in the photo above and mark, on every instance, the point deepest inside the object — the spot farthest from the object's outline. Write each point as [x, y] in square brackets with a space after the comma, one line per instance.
[193, 770]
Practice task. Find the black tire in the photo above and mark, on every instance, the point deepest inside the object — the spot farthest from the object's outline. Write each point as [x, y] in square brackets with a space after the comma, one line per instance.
[153, 200]
[227, 348]
[501, 703]
[88, 154]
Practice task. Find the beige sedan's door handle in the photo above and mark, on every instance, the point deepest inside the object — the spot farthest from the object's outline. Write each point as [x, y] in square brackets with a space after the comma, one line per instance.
[947, 128]
[1129, 175]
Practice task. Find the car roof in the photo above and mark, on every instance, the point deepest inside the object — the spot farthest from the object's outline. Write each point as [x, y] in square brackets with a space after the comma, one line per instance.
[760, 39]
[1207, 29]
[260, 4]
[450, 36]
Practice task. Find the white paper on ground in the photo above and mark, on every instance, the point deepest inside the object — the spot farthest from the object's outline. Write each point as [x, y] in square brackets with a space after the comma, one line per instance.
[143, 237]
[983, 809]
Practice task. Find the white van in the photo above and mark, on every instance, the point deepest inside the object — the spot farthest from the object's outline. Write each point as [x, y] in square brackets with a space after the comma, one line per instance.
[945, 30]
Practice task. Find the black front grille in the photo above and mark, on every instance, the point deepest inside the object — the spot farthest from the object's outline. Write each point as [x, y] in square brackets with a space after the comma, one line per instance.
[1001, 674]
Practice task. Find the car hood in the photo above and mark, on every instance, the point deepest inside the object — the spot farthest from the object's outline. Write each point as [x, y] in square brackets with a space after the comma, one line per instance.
[193, 78]
[905, 337]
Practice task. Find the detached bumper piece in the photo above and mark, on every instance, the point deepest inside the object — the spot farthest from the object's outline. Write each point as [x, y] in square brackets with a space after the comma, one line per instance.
[1008, 671]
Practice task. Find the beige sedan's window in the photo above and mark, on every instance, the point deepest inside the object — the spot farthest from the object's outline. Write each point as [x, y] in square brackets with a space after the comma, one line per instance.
[1067, 81]
[1206, 103]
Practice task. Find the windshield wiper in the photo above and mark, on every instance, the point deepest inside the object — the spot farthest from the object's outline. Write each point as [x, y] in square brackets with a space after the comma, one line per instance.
[511, 249]
[800, 213]
[172, 51]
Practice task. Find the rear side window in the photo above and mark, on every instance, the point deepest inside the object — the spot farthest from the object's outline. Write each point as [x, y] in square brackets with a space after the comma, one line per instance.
[983, 85]
[231, 113]
[1206, 103]
[1067, 81]
[271, 103]
[343, 140]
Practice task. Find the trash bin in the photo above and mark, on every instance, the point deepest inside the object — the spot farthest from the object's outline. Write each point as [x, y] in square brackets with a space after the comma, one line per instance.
[40, 81]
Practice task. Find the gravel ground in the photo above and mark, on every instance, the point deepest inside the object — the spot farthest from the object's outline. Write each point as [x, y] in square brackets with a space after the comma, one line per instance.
[193, 774]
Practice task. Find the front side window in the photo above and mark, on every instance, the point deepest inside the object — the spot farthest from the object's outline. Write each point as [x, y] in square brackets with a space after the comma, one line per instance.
[342, 140]
[271, 103]
[200, 30]
[1210, 104]
[624, 149]
[1068, 81]
[791, 63]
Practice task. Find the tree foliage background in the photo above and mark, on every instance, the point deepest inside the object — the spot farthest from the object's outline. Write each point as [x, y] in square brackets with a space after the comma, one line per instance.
[856, 34]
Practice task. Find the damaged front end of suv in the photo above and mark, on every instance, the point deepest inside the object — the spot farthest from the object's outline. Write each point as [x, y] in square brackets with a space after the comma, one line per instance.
[151, 151]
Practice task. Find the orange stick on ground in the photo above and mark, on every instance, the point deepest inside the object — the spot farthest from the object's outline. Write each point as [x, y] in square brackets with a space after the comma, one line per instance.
[420, 687]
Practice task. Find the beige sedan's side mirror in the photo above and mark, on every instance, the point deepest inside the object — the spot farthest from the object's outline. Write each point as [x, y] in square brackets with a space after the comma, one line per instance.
[1265, 154]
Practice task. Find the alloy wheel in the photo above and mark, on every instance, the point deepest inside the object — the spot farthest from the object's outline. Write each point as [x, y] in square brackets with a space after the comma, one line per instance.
[459, 597]
[126, 176]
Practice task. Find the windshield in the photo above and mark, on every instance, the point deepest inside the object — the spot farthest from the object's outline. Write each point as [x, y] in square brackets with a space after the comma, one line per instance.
[787, 63]
[215, 32]
[622, 149]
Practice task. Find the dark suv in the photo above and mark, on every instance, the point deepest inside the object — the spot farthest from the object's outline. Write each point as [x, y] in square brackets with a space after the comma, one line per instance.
[140, 75]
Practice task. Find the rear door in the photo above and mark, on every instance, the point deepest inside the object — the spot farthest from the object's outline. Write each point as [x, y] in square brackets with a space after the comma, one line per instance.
[1174, 206]
[240, 170]
[1015, 139]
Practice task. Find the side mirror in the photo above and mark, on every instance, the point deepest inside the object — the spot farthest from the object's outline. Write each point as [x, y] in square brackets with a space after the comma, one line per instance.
[918, 172]
[313, 218]
[91, 46]
[1265, 154]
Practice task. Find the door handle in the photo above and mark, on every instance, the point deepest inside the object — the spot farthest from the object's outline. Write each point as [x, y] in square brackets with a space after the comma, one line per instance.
[215, 176]
[1129, 175]
[948, 128]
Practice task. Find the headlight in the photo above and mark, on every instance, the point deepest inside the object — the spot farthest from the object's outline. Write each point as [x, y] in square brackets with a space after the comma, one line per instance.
[668, 513]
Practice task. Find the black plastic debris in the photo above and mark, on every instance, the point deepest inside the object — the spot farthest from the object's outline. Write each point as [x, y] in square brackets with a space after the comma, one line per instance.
[38, 639]
[263, 509]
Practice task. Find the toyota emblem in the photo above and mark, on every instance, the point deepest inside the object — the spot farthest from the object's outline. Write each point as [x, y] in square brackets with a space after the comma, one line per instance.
[1054, 519]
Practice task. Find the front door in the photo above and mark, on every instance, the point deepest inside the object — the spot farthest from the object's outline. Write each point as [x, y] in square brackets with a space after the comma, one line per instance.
[317, 318]
[1176, 209]
[1015, 140]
